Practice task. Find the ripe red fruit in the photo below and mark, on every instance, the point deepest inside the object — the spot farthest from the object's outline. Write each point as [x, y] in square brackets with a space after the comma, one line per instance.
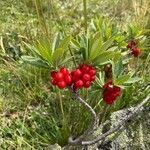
[64, 71]
[77, 73]
[61, 84]
[92, 72]
[59, 77]
[86, 77]
[106, 85]
[93, 78]
[85, 68]
[53, 82]
[87, 84]
[83, 76]
[107, 98]
[53, 73]
[68, 80]
[136, 52]
[78, 84]
[111, 92]
[131, 44]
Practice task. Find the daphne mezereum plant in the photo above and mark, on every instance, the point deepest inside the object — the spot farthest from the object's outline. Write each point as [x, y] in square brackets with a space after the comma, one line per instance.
[90, 62]
[83, 77]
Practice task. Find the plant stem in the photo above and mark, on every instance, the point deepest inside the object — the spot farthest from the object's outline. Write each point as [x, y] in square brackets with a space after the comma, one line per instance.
[119, 126]
[94, 122]
[61, 105]
[85, 14]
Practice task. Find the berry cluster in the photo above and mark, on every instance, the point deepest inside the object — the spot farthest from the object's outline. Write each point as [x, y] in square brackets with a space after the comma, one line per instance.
[81, 77]
[61, 78]
[132, 45]
[111, 92]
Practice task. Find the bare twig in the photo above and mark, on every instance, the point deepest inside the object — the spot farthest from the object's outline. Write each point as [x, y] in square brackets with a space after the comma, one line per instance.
[80, 141]
[93, 122]
[118, 127]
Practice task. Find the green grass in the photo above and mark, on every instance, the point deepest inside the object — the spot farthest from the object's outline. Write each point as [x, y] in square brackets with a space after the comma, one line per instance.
[33, 114]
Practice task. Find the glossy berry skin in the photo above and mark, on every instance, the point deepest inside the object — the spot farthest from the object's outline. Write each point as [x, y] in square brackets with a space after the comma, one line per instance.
[53, 82]
[87, 84]
[53, 74]
[83, 76]
[131, 44]
[86, 77]
[59, 76]
[85, 68]
[61, 84]
[93, 78]
[79, 84]
[92, 72]
[106, 85]
[64, 71]
[77, 73]
[68, 80]
[111, 92]
[136, 52]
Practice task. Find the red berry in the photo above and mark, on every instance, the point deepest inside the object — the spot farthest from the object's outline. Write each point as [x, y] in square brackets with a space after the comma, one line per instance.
[53, 74]
[117, 88]
[136, 52]
[79, 84]
[107, 84]
[59, 77]
[86, 77]
[85, 68]
[53, 82]
[64, 71]
[93, 78]
[61, 84]
[92, 72]
[110, 92]
[107, 98]
[68, 80]
[87, 84]
[76, 74]
[131, 44]
[74, 79]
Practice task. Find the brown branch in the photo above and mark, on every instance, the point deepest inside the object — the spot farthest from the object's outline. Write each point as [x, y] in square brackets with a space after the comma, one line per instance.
[118, 127]
[93, 122]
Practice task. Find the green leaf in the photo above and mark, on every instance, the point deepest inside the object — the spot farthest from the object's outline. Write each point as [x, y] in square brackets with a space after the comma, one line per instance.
[95, 49]
[64, 43]
[75, 43]
[133, 80]
[32, 49]
[43, 47]
[35, 61]
[57, 55]
[107, 44]
[117, 57]
[56, 41]
[117, 68]
[83, 52]
[114, 48]
[103, 57]
[122, 79]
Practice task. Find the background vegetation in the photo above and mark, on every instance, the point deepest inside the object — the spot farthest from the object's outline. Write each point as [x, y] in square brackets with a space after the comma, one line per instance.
[33, 114]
